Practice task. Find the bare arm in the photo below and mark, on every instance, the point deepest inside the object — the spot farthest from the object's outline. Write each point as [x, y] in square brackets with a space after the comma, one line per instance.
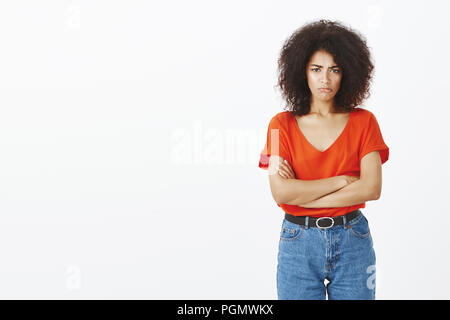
[365, 189]
[354, 193]
[295, 191]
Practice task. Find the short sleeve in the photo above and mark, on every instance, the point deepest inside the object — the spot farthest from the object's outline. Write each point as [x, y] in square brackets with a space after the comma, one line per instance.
[276, 143]
[372, 140]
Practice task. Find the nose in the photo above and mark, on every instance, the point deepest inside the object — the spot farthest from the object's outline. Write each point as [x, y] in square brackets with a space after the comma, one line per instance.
[325, 77]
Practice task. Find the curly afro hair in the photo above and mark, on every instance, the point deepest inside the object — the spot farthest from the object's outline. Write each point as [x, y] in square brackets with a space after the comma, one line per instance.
[349, 51]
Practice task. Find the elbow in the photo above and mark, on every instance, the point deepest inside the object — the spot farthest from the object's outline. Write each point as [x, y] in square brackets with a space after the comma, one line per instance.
[295, 202]
[374, 194]
[371, 189]
[283, 196]
[278, 197]
[278, 187]
[292, 202]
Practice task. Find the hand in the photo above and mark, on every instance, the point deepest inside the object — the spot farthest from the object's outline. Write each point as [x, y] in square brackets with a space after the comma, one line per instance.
[350, 179]
[285, 170]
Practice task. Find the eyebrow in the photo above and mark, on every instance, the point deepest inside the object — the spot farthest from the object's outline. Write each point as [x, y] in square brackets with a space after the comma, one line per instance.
[322, 66]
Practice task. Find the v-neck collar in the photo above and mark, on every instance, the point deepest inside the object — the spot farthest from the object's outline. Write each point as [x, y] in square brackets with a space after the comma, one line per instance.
[334, 142]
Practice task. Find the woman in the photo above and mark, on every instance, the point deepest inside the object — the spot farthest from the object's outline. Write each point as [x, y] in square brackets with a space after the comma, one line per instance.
[324, 156]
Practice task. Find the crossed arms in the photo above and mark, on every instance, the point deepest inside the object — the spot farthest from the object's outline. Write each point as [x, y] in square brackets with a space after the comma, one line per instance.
[331, 192]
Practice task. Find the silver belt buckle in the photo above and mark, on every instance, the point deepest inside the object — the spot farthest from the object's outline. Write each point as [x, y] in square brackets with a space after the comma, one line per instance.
[317, 222]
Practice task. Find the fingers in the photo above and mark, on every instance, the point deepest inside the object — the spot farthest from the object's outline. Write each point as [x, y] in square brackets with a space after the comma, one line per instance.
[282, 173]
[286, 171]
[352, 179]
[287, 167]
[290, 169]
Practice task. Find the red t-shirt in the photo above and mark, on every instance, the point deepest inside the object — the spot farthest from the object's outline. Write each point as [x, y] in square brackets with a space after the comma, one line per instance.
[360, 136]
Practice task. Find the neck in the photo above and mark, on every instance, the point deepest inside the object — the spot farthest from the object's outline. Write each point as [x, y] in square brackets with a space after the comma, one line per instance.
[323, 110]
[322, 107]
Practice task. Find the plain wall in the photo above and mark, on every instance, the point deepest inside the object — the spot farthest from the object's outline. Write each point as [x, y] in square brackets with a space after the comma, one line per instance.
[130, 134]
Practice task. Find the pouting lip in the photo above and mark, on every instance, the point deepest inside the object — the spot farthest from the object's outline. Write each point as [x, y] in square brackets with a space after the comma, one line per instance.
[325, 88]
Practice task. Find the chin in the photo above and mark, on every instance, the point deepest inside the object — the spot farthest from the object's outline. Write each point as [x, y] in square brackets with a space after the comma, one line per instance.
[321, 98]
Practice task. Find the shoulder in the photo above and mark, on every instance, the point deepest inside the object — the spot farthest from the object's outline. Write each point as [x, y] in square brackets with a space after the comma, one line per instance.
[362, 115]
[281, 119]
[362, 112]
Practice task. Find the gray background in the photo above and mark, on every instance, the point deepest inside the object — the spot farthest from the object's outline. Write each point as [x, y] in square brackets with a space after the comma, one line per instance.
[130, 134]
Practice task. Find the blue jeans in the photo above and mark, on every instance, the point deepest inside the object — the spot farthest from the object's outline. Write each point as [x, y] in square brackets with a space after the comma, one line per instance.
[342, 254]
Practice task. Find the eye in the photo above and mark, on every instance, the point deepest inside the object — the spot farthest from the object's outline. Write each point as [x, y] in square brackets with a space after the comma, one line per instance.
[315, 69]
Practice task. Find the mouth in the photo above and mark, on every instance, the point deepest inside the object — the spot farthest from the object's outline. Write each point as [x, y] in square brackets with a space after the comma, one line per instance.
[325, 89]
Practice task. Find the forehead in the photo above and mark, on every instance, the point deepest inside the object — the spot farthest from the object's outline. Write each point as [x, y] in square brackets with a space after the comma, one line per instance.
[322, 58]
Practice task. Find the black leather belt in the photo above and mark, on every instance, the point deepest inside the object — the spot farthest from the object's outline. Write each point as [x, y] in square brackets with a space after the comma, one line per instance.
[322, 222]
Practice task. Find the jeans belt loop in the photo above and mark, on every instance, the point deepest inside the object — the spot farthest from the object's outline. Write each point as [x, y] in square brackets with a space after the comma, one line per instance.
[306, 222]
[344, 220]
